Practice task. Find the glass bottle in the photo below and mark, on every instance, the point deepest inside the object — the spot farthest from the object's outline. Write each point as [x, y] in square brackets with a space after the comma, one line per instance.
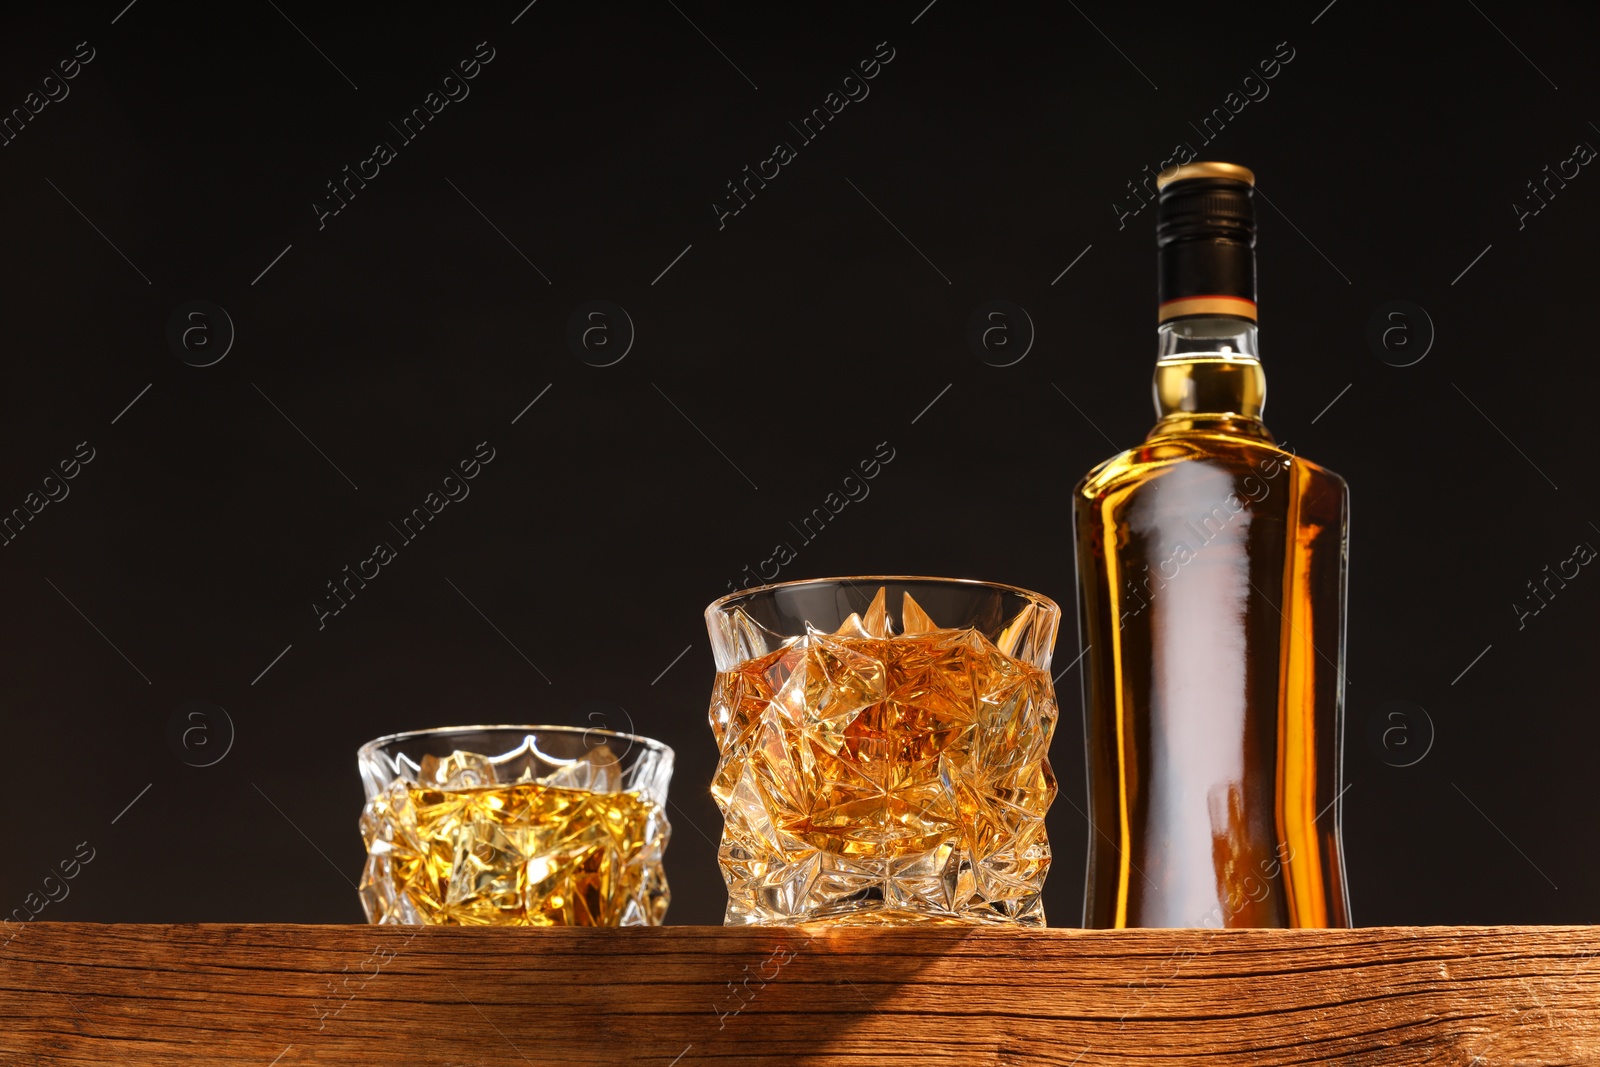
[1211, 581]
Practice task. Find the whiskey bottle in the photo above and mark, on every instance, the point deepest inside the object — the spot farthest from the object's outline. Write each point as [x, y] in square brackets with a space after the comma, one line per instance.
[1211, 586]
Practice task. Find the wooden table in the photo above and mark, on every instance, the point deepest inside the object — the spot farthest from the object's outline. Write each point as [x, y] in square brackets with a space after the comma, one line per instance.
[254, 996]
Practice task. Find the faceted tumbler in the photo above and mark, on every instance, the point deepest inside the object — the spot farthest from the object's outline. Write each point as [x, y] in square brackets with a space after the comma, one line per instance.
[884, 750]
[515, 826]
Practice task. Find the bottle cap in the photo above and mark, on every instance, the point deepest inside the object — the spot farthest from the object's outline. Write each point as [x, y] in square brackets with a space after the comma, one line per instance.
[1205, 170]
[1206, 236]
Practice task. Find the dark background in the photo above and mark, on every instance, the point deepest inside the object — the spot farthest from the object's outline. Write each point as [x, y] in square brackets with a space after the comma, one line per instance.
[792, 341]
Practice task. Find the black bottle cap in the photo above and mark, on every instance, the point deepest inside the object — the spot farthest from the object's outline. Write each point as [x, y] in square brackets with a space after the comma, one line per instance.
[1206, 239]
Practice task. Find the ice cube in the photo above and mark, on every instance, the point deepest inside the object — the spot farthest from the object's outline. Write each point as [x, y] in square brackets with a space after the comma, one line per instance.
[832, 681]
[459, 770]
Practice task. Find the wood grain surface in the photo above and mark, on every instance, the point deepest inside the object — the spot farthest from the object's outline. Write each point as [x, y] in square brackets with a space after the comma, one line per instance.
[279, 996]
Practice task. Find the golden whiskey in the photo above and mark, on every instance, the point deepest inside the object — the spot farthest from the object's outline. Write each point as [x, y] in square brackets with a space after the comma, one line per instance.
[520, 854]
[873, 777]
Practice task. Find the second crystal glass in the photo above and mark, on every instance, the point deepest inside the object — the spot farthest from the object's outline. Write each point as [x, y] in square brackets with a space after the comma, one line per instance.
[515, 826]
[884, 750]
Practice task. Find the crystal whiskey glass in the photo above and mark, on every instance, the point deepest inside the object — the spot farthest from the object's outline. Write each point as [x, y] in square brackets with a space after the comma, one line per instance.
[884, 750]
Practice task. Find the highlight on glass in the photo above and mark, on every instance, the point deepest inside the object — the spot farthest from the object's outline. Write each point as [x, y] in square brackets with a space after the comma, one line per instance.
[515, 826]
[884, 750]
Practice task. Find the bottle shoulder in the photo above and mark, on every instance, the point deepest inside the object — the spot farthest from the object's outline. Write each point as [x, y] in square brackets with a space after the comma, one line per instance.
[1239, 455]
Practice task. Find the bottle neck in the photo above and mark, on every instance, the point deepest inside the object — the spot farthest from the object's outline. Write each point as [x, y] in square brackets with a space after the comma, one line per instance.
[1208, 376]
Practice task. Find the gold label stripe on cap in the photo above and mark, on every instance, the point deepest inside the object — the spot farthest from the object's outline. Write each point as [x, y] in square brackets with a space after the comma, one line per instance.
[1211, 304]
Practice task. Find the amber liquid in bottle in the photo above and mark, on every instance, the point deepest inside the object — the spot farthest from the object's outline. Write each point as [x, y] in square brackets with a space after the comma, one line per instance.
[1211, 572]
